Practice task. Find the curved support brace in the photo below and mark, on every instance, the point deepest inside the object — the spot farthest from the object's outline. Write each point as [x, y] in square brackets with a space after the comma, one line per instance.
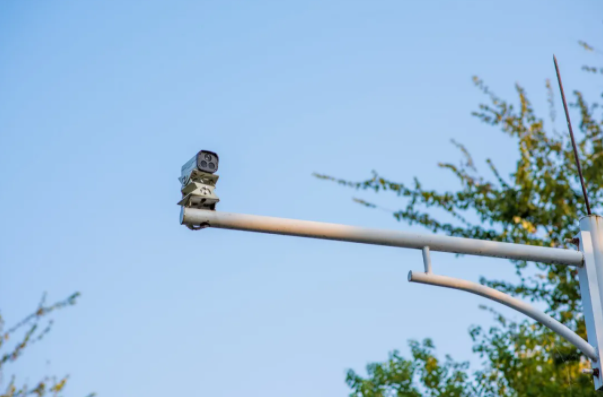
[525, 308]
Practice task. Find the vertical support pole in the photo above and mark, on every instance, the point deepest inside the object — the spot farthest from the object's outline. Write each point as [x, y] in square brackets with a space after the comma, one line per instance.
[591, 287]
[426, 260]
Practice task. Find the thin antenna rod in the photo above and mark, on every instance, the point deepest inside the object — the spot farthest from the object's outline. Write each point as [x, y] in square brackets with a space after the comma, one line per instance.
[569, 125]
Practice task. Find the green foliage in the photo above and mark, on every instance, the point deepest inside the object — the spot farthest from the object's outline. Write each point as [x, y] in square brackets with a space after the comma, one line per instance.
[32, 333]
[398, 376]
[525, 359]
[539, 203]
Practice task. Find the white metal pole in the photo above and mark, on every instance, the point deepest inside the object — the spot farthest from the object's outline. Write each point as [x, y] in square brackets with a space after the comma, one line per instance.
[393, 238]
[591, 283]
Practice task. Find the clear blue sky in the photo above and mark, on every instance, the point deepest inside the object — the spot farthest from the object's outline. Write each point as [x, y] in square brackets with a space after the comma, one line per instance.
[102, 102]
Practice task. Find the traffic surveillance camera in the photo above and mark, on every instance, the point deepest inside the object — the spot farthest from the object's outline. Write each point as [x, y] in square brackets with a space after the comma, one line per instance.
[199, 181]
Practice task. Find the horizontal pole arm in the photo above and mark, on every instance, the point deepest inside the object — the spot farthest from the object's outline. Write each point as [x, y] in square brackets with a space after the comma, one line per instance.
[525, 308]
[392, 238]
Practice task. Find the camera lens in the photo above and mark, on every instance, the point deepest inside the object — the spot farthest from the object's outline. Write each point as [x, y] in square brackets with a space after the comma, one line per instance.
[203, 163]
[208, 157]
[212, 166]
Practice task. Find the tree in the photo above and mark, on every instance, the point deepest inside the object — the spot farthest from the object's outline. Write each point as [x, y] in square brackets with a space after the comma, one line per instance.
[31, 333]
[537, 204]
